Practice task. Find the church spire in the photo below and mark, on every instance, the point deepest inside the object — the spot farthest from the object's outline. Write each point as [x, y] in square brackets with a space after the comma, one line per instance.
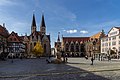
[33, 20]
[33, 26]
[43, 21]
[58, 37]
[42, 26]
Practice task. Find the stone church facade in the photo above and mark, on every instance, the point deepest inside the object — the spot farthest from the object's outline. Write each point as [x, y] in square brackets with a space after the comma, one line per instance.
[35, 36]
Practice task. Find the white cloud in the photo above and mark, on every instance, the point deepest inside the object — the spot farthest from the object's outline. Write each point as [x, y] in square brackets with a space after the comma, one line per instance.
[71, 31]
[83, 32]
[7, 2]
[64, 30]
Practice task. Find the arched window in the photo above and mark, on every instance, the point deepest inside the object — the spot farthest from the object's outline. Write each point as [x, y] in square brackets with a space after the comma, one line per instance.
[77, 47]
[82, 48]
[44, 48]
[67, 47]
[72, 48]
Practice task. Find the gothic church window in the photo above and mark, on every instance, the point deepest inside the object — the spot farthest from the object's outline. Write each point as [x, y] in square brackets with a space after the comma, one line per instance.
[77, 47]
[44, 48]
[72, 48]
[67, 47]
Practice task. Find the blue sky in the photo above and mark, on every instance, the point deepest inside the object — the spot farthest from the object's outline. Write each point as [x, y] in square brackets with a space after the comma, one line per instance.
[69, 17]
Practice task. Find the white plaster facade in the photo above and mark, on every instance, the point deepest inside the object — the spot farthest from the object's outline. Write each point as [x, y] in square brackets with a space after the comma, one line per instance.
[111, 41]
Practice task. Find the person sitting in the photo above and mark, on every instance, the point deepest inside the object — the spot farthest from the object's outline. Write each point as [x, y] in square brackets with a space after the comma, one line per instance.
[86, 57]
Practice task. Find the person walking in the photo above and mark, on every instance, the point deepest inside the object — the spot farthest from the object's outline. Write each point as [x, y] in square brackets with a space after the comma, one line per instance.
[92, 59]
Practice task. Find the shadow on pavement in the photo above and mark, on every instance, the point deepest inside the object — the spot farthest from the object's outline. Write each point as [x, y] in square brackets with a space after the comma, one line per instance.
[38, 69]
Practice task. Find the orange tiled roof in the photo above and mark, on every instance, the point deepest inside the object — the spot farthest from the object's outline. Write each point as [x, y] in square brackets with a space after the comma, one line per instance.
[96, 35]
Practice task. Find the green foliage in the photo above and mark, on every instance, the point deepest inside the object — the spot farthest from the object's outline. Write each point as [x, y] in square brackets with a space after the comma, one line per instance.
[38, 50]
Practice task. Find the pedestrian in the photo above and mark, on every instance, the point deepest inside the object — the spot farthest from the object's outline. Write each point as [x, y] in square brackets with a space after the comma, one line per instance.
[92, 59]
[109, 57]
[86, 57]
[12, 58]
[66, 59]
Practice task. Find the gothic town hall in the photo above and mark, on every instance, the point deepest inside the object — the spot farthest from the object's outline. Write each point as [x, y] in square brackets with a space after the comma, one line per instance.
[35, 36]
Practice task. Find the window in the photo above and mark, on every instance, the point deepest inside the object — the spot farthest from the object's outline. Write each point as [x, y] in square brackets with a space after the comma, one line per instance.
[77, 48]
[113, 33]
[103, 40]
[72, 48]
[103, 45]
[109, 38]
[10, 39]
[102, 49]
[44, 48]
[67, 47]
[113, 43]
[106, 44]
[113, 38]
[109, 44]
[14, 39]
[106, 39]
[119, 48]
[13, 44]
[119, 42]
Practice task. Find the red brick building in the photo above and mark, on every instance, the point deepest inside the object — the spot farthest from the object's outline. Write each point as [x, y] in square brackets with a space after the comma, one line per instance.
[74, 46]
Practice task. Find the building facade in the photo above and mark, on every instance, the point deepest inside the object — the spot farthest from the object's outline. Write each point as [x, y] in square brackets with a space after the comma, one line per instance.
[16, 47]
[31, 40]
[74, 46]
[93, 45]
[111, 41]
[3, 38]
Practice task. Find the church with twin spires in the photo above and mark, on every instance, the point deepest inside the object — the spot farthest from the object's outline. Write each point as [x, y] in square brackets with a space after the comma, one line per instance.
[41, 36]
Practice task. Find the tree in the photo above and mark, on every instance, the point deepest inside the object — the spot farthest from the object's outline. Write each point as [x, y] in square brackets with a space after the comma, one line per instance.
[38, 50]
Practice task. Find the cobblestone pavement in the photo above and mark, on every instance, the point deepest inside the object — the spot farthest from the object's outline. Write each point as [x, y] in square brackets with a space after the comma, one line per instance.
[75, 69]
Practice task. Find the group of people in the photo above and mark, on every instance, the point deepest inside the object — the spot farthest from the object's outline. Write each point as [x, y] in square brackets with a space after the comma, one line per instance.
[54, 59]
